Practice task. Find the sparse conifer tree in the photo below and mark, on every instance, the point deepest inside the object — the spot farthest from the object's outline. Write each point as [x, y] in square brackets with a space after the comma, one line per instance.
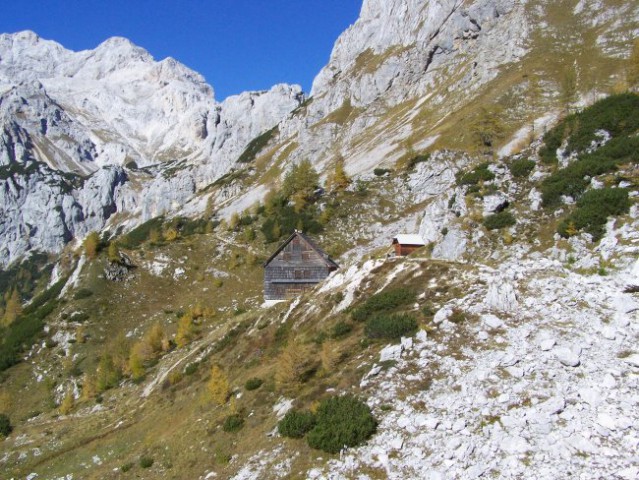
[234, 221]
[136, 361]
[170, 234]
[89, 388]
[154, 236]
[13, 308]
[632, 70]
[91, 245]
[113, 253]
[185, 330]
[291, 364]
[120, 348]
[218, 386]
[277, 231]
[68, 402]
[300, 181]
[330, 356]
[248, 234]
[568, 88]
[156, 339]
[488, 127]
[571, 229]
[339, 180]
[107, 375]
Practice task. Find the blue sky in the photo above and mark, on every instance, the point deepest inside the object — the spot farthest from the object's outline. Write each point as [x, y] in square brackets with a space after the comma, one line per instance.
[237, 45]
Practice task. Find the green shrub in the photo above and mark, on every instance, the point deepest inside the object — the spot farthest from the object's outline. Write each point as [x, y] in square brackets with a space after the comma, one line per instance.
[385, 301]
[428, 310]
[5, 425]
[479, 173]
[296, 424]
[187, 226]
[146, 462]
[126, 467]
[79, 317]
[233, 423]
[341, 329]
[575, 178]
[457, 316]
[341, 422]
[191, 368]
[82, 293]
[593, 210]
[380, 172]
[253, 383]
[521, 168]
[390, 326]
[499, 220]
[616, 114]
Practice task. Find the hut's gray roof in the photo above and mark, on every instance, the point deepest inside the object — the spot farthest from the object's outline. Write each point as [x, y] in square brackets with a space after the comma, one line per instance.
[330, 263]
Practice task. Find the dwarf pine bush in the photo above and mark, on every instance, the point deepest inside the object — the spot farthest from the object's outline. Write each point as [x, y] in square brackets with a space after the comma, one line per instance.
[341, 422]
[233, 423]
[390, 326]
[385, 301]
[502, 219]
[296, 424]
[593, 210]
[521, 168]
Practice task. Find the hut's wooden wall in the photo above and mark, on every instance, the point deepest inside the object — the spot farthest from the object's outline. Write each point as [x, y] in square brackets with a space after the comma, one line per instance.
[403, 250]
[295, 269]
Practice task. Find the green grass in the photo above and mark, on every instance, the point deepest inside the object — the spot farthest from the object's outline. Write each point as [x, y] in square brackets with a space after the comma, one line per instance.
[256, 145]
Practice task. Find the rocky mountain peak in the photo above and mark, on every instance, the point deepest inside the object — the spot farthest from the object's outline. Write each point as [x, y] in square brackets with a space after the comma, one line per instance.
[82, 112]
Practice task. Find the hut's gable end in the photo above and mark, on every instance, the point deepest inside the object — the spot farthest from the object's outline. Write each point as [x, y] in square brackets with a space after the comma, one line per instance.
[298, 252]
[295, 267]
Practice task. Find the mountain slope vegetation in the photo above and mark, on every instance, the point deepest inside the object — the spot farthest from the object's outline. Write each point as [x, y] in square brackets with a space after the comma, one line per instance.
[137, 344]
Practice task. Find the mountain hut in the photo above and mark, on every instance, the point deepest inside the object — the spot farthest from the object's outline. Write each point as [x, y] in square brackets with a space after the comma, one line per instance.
[405, 244]
[296, 266]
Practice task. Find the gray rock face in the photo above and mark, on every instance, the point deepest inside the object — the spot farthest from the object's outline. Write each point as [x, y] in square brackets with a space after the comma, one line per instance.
[397, 52]
[71, 121]
[40, 209]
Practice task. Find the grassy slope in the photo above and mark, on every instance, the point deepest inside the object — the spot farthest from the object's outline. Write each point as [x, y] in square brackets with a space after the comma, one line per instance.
[177, 425]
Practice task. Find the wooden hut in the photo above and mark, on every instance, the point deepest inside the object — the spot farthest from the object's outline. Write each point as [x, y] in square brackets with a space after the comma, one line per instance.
[297, 265]
[405, 244]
